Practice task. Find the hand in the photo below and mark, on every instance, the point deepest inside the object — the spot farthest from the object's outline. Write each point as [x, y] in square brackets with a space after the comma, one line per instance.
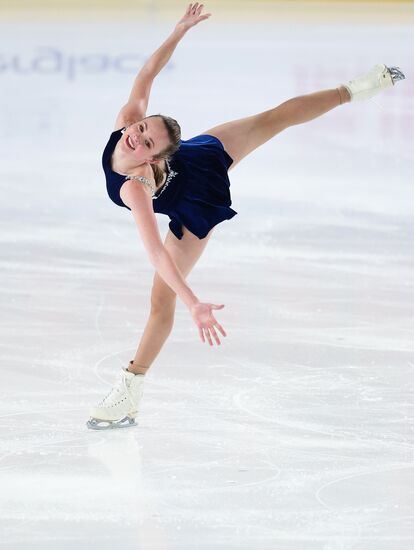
[206, 322]
[192, 17]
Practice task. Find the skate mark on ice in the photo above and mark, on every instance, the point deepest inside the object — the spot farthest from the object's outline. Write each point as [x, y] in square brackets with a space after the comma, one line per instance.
[367, 472]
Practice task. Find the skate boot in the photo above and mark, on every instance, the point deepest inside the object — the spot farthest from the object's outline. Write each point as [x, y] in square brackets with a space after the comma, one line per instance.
[378, 78]
[120, 407]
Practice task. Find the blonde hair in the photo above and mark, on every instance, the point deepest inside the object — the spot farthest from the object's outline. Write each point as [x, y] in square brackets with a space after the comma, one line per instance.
[174, 135]
[158, 174]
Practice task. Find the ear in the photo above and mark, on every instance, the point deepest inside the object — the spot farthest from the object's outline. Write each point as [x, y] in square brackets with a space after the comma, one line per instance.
[154, 161]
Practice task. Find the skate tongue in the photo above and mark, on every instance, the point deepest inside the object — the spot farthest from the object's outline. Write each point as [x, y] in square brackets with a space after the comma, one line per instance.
[128, 374]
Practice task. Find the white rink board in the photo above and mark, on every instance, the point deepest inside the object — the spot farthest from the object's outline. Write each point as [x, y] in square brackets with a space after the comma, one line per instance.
[297, 431]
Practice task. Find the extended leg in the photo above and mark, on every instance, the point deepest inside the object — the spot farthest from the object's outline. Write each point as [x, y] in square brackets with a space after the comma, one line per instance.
[241, 137]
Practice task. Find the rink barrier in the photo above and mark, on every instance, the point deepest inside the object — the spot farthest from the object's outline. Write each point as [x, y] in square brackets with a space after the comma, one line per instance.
[147, 11]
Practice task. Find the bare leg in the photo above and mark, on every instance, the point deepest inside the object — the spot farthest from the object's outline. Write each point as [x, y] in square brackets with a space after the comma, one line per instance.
[241, 137]
[185, 253]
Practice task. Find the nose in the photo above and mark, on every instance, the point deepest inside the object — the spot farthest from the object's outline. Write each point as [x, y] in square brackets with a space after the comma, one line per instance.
[136, 138]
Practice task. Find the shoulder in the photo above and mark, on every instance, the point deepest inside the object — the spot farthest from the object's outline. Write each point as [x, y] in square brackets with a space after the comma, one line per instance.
[138, 183]
[133, 192]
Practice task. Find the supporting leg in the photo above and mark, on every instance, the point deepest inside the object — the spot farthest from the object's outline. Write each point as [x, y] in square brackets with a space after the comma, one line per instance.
[185, 253]
[156, 332]
[120, 407]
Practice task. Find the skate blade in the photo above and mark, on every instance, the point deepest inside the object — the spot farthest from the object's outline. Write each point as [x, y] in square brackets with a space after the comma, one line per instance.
[96, 424]
[396, 74]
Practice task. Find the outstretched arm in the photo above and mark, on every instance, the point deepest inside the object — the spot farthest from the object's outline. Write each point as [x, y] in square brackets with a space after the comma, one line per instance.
[136, 107]
[138, 199]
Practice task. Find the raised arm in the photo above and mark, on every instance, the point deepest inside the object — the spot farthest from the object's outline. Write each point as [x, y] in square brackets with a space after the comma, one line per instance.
[136, 106]
[139, 200]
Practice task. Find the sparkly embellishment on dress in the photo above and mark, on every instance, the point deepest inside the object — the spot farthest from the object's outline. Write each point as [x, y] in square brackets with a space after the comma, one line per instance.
[143, 180]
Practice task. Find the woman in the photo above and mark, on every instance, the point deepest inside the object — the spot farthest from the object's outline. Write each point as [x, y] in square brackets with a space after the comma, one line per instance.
[148, 169]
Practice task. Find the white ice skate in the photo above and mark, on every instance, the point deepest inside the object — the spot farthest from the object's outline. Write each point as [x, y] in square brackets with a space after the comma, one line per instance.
[120, 407]
[378, 78]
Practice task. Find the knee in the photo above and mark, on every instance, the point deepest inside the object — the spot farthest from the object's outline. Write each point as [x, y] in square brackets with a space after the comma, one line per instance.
[163, 309]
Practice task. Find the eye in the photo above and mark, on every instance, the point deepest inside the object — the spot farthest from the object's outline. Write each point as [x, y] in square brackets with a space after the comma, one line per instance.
[147, 143]
[141, 127]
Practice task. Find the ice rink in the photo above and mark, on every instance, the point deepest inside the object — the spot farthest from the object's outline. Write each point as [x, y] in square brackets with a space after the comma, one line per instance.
[297, 432]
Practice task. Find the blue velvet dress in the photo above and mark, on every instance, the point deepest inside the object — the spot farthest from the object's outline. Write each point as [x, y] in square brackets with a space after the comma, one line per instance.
[196, 193]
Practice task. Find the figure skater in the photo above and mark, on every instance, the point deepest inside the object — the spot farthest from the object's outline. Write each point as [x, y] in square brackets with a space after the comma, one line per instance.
[149, 169]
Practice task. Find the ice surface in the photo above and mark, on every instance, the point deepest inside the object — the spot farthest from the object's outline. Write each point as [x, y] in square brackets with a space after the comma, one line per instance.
[296, 433]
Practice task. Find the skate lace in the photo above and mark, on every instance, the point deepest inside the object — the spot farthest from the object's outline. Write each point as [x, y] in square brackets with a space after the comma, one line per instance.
[115, 393]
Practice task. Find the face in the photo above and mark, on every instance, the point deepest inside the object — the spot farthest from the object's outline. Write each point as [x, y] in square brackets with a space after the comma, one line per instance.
[144, 139]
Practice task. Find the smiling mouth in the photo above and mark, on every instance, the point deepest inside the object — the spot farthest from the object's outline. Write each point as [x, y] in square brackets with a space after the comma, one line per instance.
[129, 143]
